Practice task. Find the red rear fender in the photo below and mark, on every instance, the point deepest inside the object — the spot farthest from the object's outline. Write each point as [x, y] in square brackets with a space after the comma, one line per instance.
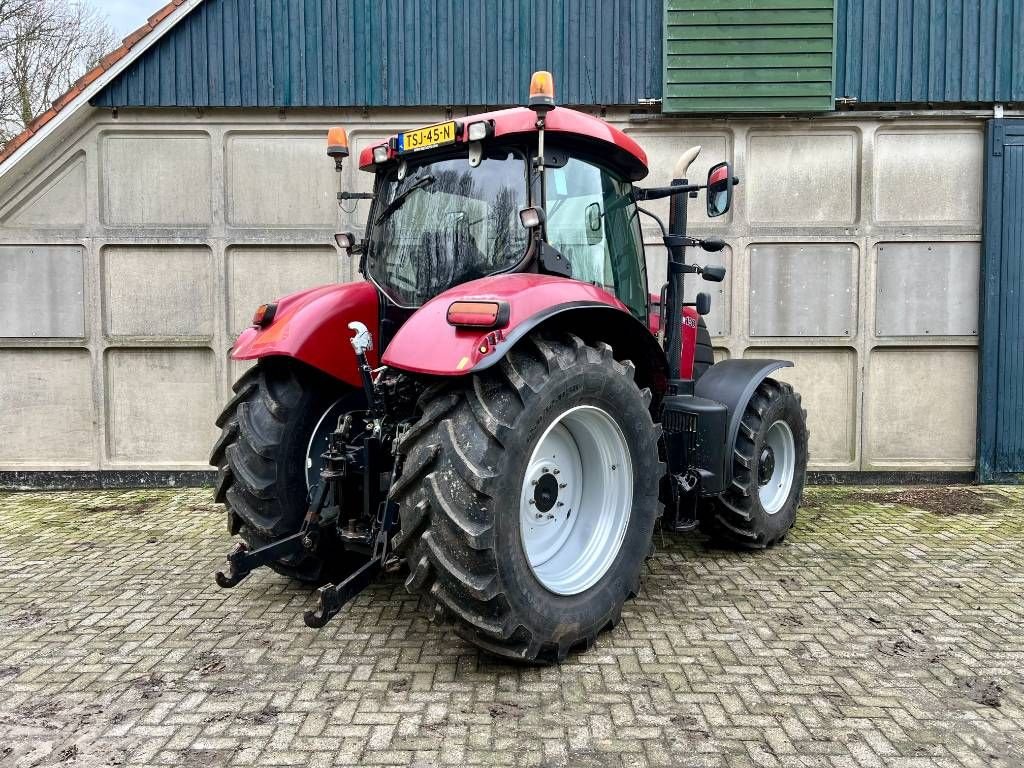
[427, 343]
[312, 326]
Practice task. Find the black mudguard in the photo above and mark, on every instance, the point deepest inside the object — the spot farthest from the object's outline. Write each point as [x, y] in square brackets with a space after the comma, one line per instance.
[732, 383]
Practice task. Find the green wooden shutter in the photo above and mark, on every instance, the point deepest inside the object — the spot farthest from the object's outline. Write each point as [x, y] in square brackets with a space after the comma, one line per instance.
[748, 55]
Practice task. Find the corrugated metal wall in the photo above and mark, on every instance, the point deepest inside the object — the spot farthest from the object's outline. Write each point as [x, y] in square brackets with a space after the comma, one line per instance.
[918, 51]
[310, 53]
[748, 55]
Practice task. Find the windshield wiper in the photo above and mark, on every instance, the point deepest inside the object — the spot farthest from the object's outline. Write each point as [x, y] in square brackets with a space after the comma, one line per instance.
[395, 204]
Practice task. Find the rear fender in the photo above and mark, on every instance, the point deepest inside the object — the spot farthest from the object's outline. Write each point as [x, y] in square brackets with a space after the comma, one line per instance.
[732, 383]
[312, 326]
[428, 344]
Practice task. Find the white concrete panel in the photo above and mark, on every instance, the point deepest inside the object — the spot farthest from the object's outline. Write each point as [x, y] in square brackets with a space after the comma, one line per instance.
[158, 291]
[261, 274]
[280, 180]
[161, 405]
[920, 407]
[46, 408]
[929, 176]
[663, 149]
[155, 179]
[57, 200]
[803, 289]
[802, 178]
[42, 291]
[826, 379]
[924, 289]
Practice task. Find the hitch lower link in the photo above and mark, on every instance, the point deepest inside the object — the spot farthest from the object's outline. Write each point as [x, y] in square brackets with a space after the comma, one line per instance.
[242, 561]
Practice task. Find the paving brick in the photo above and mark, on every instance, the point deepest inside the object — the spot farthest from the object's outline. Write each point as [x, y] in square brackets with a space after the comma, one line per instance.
[876, 635]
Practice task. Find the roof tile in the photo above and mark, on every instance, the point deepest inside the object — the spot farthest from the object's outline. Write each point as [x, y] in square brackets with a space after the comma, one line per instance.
[63, 101]
[162, 14]
[42, 120]
[137, 35]
[16, 142]
[112, 58]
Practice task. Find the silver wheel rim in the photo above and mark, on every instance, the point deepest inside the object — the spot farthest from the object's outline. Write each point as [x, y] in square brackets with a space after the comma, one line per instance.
[318, 442]
[776, 483]
[576, 499]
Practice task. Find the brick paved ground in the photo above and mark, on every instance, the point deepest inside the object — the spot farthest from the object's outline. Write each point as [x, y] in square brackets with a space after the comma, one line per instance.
[876, 635]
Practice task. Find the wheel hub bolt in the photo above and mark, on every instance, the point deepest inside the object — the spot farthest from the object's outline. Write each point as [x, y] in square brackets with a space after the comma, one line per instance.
[563, 485]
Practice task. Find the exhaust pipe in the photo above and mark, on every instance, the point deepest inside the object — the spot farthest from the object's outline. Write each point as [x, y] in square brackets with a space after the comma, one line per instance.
[676, 263]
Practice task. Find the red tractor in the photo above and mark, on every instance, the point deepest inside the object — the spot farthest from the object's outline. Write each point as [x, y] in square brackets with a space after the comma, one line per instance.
[502, 406]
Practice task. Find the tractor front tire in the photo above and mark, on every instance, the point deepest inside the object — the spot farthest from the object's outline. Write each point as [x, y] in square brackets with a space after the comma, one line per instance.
[261, 454]
[491, 481]
[769, 468]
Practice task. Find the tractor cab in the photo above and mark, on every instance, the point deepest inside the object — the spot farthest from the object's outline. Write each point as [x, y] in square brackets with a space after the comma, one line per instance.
[546, 191]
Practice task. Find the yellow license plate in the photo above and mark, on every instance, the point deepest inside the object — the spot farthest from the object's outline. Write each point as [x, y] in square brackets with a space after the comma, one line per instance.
[427, 138]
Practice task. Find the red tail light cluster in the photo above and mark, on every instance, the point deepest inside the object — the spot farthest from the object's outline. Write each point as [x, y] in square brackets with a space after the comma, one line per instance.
[478, 314]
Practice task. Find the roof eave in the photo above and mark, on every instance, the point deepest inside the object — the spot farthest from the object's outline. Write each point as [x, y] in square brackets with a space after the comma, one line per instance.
[94, 81]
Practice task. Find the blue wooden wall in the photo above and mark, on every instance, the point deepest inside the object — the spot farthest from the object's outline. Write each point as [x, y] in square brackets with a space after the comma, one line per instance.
[930, 51]
[313, 53]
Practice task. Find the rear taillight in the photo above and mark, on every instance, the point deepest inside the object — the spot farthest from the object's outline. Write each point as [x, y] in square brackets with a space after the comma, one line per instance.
[478, 314]
[264, 315]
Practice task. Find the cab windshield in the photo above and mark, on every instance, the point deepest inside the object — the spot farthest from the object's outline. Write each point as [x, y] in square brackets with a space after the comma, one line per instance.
[441, 222]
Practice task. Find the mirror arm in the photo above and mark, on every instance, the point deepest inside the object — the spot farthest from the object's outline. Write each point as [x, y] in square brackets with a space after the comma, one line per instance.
[656, 193]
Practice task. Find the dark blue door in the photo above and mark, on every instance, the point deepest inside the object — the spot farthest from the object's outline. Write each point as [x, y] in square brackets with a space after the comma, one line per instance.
[1001, 389]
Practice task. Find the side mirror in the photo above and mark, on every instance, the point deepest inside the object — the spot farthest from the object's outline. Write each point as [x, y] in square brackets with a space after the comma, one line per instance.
[719, 192]
[714, 273]
[595, 232]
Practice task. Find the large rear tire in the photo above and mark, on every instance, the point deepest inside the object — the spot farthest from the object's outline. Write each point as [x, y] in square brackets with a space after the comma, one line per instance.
[769, 468]
[491, 531]
[272, 432]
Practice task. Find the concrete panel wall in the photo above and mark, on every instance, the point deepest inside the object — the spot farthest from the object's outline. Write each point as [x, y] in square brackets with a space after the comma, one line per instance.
[42, 291]
[131, 258]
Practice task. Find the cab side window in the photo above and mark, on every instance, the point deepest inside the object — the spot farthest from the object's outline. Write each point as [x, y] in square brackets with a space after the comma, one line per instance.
[592, 223]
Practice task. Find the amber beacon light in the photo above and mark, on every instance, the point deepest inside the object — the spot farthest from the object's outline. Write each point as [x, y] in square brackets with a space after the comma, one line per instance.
[337, 145]
[542, 91]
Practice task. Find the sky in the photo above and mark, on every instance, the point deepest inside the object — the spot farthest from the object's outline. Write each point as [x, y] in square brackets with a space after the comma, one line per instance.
[128, 15]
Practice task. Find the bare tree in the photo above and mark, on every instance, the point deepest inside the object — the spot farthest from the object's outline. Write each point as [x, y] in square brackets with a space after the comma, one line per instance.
[45, 45]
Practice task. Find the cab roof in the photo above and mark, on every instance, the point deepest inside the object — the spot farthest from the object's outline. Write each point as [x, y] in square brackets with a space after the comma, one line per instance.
[589, 132]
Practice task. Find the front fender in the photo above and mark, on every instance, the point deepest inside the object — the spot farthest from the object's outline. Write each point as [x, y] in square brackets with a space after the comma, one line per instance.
[427, 343]
[732, 383]
[312, 326]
